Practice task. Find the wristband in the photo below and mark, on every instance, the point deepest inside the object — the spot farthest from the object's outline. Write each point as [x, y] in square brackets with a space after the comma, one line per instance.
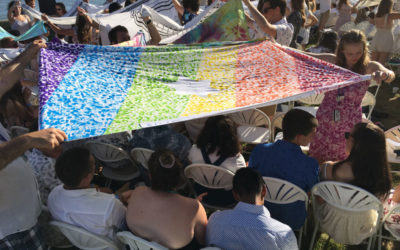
[148, 22]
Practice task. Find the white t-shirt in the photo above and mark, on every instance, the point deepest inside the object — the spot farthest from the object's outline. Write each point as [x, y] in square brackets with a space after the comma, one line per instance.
[284, 32]
[20, 203]
[97, 212]
[231, 163]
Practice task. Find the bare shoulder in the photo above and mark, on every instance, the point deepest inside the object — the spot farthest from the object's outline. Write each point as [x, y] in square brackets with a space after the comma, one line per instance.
[374, 66]
[344, 173]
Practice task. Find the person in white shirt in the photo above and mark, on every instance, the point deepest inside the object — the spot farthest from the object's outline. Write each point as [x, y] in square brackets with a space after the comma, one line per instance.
[269, 17]
[249, 225]
[20, 204]
[77, 203]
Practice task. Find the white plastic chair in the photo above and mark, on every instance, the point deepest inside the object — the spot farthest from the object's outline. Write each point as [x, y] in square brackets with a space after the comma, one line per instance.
[83, 239]
[348, 198]
[312, 100]
[254, 126]
[118, 164]
[283, 192]
[142, 156]
[276, 123]
[392, 142]
[369, 100]
[136, 243]
[210, 176]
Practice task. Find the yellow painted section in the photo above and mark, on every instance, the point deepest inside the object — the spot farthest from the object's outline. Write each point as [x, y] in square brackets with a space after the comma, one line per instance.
[219, 66]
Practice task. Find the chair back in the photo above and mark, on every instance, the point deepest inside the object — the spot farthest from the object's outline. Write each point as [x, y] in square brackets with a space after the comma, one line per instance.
[142, 156]
[253, 117]
[84, 239]
[136, 243]
[346, 197]
[312, 100]
[283, 192]
[210, 176]
[110, 155]
[276, 123]
[393, 134]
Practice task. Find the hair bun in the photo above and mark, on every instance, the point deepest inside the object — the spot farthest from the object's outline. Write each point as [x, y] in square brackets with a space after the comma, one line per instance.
[167, 160]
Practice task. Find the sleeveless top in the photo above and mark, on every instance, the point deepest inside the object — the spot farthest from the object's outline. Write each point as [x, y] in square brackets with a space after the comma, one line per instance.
[21, 26]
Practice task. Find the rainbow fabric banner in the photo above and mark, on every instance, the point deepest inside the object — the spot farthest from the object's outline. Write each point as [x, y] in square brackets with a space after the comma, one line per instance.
[89, 90]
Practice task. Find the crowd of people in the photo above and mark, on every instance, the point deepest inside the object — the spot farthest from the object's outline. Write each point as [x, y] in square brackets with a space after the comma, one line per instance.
[42, 169]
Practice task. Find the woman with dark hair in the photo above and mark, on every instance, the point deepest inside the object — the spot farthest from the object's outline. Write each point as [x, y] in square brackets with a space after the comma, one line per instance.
[297, 18]
[366, 165]
[327, 43]
[60, 9]
[218, 144]
[17, 20]
[160, 214]
[383, 42]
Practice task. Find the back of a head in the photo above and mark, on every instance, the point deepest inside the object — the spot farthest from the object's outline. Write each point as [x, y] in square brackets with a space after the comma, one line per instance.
[165, 171]
[385, 7]
[247, 182]
[368, 158]
[273, 4]
[73, 165]
[8, 43]
[329, 39]
[112, 34]
[219, 133]
[114, 7]
[297, 122]
[193, 5]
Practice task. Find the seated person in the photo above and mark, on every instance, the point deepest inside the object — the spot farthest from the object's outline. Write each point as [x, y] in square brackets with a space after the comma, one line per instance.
[187, 10]
[159, 213]
[218, 144]
[77, 203]
[366, 166]
[118, 34]
[284, 159]
[249, 225]
[327, 43]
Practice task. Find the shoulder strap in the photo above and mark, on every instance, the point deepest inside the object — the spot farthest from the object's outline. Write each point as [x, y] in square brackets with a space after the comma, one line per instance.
[207, 160]
[205, 156]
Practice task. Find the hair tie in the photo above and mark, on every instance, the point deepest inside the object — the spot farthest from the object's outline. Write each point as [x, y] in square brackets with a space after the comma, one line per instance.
[167, 165]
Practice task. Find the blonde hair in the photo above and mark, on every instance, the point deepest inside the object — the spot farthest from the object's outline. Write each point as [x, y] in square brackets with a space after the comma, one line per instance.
[353, 37]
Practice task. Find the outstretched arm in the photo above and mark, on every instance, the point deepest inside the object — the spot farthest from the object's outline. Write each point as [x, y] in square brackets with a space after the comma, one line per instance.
[11, 73]
[380, 73]
[46, 140]
[178, 6]
[56, 29]
[261, 21]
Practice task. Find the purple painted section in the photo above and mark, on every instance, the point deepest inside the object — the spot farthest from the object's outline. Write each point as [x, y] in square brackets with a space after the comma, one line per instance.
[53, 60]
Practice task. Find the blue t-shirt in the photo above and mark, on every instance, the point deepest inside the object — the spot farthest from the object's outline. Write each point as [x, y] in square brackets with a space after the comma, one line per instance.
[286, 161]
[187, 16]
